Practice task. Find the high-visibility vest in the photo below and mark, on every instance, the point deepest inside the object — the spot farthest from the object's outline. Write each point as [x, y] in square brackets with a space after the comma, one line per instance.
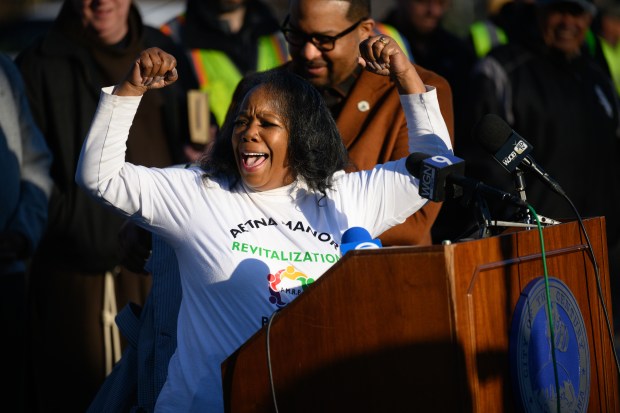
[485, 36]
[612, 57]
[388, 30]
[218, 75]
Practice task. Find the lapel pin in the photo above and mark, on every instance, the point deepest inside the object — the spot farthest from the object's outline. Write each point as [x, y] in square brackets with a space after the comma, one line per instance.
[363, 106]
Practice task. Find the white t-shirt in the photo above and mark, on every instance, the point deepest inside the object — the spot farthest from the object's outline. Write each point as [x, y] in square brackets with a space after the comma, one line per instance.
[243, 254]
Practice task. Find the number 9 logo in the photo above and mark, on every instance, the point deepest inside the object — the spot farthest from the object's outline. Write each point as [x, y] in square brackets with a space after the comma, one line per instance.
[442, 159]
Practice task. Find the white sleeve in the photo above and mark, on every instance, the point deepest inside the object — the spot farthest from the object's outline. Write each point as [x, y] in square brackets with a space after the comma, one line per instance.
[102, 158]
[428, 132]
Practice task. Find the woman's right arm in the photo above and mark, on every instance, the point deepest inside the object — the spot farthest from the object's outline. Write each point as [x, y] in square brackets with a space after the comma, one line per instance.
[102, 170]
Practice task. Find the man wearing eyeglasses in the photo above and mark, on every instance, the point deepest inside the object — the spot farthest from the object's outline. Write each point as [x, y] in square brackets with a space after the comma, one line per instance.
[323, 38]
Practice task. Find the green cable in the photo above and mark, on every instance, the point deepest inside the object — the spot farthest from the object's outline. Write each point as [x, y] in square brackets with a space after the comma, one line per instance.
[548, 294]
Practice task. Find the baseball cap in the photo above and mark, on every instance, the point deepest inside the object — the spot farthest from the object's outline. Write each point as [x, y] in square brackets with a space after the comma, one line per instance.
[586, 5]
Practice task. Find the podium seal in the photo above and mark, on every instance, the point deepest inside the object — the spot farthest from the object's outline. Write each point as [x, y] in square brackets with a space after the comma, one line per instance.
[531, 362]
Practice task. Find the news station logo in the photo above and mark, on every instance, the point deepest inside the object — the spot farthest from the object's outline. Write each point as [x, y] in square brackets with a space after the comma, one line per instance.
[426, 183]
[434, 171]
[520, 148]
[513, 152]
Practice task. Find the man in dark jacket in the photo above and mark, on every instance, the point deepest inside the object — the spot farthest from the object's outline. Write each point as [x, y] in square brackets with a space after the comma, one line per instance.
[77, 282]
[24, 194]
[559, 99]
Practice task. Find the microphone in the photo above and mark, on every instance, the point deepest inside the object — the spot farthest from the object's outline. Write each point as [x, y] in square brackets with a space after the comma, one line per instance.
[434, 172]
[510, 149]
[358, 238]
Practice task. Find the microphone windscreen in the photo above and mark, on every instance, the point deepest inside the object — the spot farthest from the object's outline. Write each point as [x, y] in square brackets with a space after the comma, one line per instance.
[357, 238]
[355, 234]
[414, 163]
[491, 132]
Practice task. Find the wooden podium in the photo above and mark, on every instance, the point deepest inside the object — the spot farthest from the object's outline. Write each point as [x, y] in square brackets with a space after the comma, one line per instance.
[420, 329]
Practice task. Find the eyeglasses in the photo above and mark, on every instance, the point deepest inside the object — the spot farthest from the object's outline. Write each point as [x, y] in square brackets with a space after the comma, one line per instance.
[322, 42]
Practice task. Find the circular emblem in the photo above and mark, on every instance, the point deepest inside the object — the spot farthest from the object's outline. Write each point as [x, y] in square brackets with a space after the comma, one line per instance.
[363, 106]
[531, 361]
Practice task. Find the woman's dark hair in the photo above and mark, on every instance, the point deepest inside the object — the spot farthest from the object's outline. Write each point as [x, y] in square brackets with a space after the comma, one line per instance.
[315, 148]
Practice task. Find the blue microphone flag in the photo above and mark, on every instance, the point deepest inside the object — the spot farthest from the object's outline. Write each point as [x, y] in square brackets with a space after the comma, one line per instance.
[358, 238]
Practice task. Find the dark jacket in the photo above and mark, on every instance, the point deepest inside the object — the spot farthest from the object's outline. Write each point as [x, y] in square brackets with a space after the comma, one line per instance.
[568, 111]
[64, 79]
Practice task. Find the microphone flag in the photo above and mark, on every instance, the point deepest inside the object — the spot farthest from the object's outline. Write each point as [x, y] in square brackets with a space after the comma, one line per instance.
[358, 238]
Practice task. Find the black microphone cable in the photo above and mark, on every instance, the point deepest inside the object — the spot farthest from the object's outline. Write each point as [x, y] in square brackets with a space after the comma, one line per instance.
[269, 365]
[490, 131]
[597, 276]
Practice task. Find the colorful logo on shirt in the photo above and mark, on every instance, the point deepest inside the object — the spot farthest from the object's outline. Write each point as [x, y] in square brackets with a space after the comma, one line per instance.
[285, 285]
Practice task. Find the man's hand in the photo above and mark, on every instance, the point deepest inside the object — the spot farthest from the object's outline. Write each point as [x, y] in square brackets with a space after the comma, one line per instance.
[154, 69]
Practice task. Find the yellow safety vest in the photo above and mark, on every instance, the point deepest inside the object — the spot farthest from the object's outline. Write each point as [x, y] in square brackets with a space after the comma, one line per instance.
[382, 28]
[217, 74]
[612, 56]
[485, 36]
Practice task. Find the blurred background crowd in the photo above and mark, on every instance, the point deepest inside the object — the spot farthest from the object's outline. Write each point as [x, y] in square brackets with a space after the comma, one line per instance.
[23, 20]
[550, 68]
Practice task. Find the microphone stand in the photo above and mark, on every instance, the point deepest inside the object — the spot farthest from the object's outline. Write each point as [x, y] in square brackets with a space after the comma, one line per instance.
[482, 227]
[524, 215]
[485, 223]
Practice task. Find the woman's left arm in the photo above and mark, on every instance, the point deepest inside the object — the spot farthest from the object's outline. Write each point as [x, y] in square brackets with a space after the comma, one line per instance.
[428, 132]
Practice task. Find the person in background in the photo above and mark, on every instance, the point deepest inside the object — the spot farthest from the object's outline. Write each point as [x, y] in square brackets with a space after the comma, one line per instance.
[77, 281]
[605, 41]
[433, 47]
[558, 98]
[437, 49]
[513, 21]
[278, 162]
[25, 162]
[323, 37]
[226, 40]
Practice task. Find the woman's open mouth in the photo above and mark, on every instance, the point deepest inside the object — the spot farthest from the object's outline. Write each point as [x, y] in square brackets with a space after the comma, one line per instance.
[252, 161]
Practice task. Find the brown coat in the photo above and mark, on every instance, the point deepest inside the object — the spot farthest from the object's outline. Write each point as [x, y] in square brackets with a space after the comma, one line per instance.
[374, 130]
